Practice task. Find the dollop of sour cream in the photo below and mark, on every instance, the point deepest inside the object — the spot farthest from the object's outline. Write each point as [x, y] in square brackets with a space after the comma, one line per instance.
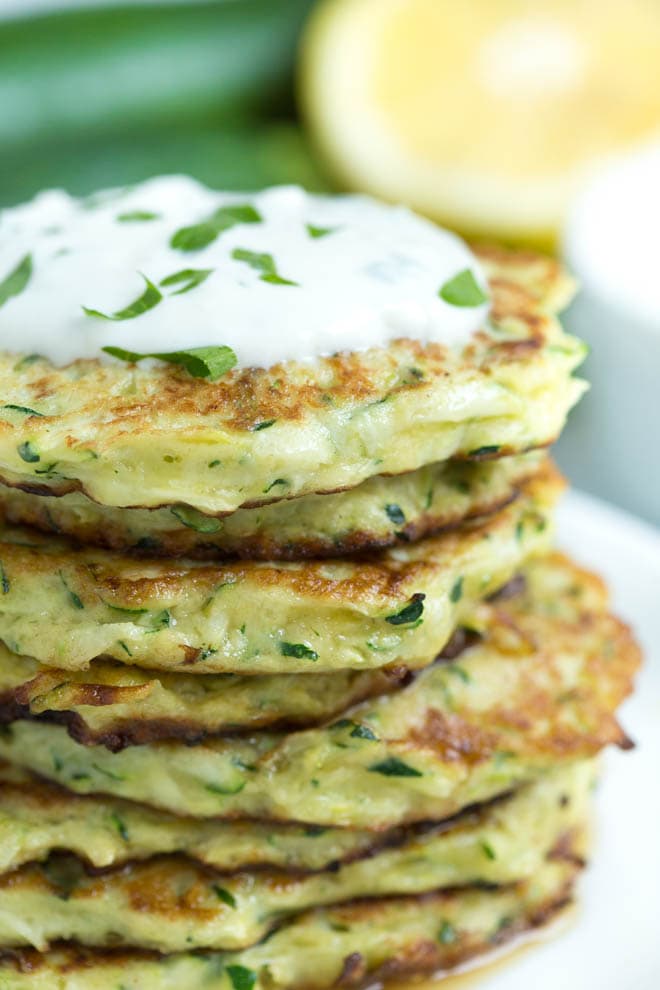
[283, 275]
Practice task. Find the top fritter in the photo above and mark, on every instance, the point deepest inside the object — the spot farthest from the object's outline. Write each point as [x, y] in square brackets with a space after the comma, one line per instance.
[297, 344]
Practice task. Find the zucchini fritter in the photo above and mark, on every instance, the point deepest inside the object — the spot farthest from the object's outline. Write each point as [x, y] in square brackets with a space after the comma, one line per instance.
[327, 947]
[172, 905]
[397, 607]
[380, 512]
[540, 689]
[128, 436]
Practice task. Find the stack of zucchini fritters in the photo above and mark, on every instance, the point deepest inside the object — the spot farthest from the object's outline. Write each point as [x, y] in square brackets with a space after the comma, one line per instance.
[294, 691]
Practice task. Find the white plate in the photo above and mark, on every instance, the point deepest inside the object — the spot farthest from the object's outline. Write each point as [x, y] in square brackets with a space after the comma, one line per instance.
[613, 942]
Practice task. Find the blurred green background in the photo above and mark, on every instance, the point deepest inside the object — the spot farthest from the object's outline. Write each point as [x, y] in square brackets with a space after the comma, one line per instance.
[106, 95]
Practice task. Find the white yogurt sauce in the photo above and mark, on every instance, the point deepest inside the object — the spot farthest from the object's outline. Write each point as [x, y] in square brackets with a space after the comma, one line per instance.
[374, 277]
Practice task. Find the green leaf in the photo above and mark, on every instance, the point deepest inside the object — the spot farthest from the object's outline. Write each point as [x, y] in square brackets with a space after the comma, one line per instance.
[317, 232]
[17, 279]
[149, 298]
[488, 850]
[4, 580]
[28, 452]
[394, 767]
[23, 409]
[200, 235]
[456, 592]
[447, 933]
[196, 520]
[411, 613]
[137, 216]
[298, 650]
[200, 362]
[191, 276]
[241, 977]
[263, 263]
[361, 731]
[463, 290]
[224, 895]
[263, 425]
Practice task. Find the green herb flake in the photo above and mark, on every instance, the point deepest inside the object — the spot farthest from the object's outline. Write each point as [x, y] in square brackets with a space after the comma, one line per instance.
[263, 425]
[490, 450]
[225, 789]
[190, 277]
[394, 767]
[456, 592]
[75, 599]
[263, 263]
[447, 934]
[196, 520]
[120, 825]
[224, 895]
[463, 290]
[4, 580]
[16, 281]
[28, 452]
[361, 731]
[488, 850]
[395, 514]
[149, 298]
[298, 650]
[22, 409]
[411, 613]
[314, 831]
[241, 977]
[273, 484]
[200, 235]
[318, 232]
[137, 216]
[200, 362]
[459, 672]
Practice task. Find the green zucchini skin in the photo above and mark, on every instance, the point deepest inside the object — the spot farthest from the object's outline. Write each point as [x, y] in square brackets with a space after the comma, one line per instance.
[72, 80]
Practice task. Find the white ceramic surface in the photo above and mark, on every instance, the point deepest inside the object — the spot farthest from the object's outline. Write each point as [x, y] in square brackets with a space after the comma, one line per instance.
[613, 942]
[611, 446]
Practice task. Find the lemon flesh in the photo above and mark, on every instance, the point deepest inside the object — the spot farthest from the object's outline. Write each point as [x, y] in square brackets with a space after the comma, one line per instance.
[484, 114]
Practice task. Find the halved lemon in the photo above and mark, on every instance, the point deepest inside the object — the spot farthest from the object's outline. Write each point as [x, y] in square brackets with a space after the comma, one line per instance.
[483, 114]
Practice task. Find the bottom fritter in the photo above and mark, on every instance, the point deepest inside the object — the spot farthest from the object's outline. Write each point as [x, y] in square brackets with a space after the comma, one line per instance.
[173, 904]
[346, 946]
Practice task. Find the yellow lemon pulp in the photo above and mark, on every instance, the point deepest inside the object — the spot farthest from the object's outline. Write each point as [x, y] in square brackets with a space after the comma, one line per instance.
[483, 114]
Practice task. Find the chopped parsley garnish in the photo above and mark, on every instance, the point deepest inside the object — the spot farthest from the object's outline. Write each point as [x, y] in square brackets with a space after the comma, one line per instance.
[456, 592]
[22, 409]
[149, 298]
[395, 514]
[137, 216]
[411, 613]
[447, 933]
[200, 362]
[17, 279]
[191, 277]
[200, 235]
[394, 767]
[263, 425]
[298, 650]
[241, 977]
[263, 263]
[224, 895]
[488, 850]
[463, 290]
[196, 520]
[4, 580]
[317, 232]
[28, 452]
